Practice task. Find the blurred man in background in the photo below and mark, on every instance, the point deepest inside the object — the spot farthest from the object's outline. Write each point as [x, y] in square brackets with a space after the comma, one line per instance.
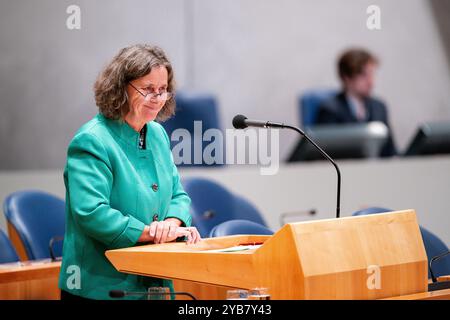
[356, 69]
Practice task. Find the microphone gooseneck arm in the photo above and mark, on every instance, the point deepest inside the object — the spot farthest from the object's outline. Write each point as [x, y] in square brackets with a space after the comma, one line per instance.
[241, 122]
[338, 200]
[439, 257]
[122, 293]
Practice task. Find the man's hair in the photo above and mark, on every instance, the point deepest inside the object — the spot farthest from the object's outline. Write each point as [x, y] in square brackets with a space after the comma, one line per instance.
[352, 62]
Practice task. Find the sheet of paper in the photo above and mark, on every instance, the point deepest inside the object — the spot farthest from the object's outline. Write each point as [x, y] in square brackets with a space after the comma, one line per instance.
[236, 248]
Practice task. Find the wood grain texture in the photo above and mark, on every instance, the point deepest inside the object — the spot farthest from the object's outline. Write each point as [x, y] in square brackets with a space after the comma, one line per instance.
[17, 242]
[443, 278]
[433, 295]
[200, 291]
[325, 259]
[178, 261]
[337, 256]
[30, 282]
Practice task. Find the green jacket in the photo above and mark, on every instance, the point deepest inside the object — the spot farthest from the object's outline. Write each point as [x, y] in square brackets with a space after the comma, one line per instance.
[110, 197]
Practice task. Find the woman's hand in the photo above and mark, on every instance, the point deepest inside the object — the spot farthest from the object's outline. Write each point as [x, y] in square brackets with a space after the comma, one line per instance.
[193, 235]
[165, 231]
[169, 230]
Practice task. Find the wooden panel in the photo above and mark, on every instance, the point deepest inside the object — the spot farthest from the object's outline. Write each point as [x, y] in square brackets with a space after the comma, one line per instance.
[193, 262]
[29, 271]
[325, 259]
[278, 268]
[433, 295]
[200, 291]
[43, 289]
[443, 278]
[37, 281]
[337, 256]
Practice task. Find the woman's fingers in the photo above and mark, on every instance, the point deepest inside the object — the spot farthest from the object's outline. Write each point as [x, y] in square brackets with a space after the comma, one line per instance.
[198, 237]
[165, 232]
[159, 231]
[153, 227]
[172, 231]
[182, 232]
[189, 237]
[196, 234]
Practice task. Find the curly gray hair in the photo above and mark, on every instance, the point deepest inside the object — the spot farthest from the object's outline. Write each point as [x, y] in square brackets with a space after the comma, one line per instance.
[131, 63]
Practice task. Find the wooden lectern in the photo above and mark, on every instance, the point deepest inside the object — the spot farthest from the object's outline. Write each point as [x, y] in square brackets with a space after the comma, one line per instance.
[363, 257]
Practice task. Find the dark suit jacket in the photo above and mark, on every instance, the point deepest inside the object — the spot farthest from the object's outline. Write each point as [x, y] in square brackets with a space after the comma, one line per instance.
[338, 110]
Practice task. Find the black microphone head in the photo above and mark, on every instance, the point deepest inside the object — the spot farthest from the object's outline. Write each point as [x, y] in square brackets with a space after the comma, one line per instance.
[117, 293]
[239, 121]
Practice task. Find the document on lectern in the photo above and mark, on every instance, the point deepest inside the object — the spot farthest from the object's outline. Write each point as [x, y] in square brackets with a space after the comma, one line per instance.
[236, 248]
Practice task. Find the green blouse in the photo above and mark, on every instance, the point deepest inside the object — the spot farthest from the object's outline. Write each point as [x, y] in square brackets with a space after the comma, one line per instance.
[114, 189]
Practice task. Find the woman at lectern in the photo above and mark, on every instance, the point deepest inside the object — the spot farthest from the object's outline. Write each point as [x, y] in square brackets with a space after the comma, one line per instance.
[122, 186]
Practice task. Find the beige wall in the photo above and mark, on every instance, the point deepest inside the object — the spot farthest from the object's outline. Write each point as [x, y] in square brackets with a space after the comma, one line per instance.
[422, 184]
[256, 56]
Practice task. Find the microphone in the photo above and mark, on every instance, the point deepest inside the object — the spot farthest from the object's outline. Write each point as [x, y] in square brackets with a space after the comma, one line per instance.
[121, 293]
[241, 122]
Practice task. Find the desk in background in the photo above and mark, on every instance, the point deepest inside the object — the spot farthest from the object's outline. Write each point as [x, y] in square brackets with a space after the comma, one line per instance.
[30, 280]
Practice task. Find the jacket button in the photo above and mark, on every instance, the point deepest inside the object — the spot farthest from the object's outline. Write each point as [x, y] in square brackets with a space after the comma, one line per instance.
[155, 187]
[155, 217]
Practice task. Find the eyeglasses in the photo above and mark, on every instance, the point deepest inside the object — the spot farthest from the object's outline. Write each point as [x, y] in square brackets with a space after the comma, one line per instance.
[163, 96]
